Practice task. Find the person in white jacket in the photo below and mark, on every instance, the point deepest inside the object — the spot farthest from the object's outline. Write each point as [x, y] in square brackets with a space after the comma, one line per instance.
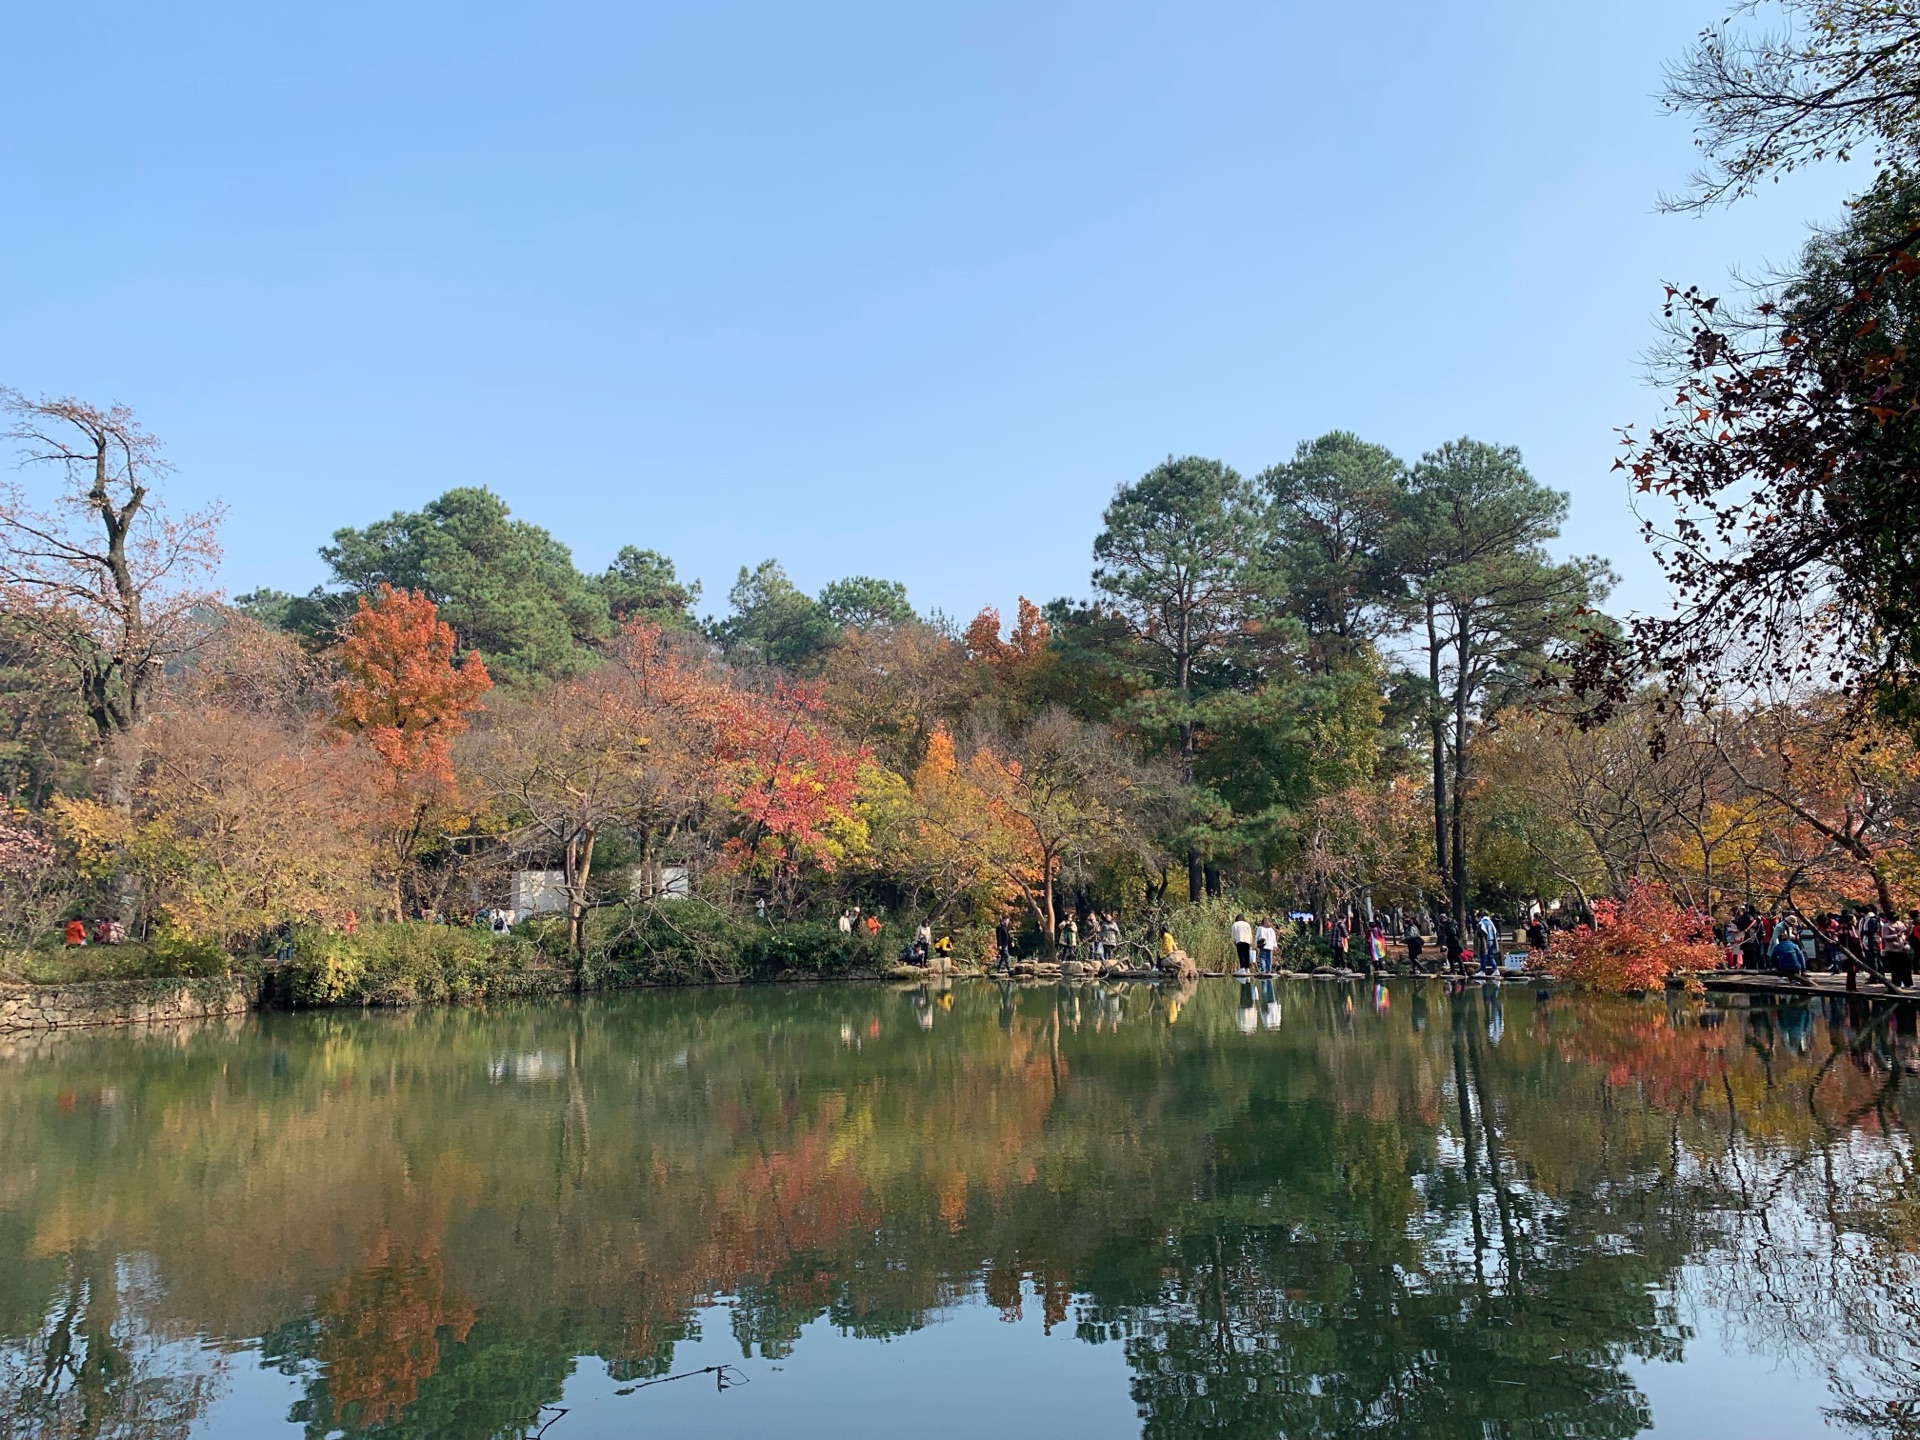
[1266, 940]
[1242, 934]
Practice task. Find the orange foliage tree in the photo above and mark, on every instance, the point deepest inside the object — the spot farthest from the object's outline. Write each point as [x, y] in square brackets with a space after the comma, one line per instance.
[402, 693]
[1014, 670]
[955, 842]
[1028, 809]
[1839, 797]
[791, 784]
[625, 746]
[1635, 944]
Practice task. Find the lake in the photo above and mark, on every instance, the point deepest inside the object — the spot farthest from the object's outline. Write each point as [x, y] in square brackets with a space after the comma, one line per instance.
[1305, 1209]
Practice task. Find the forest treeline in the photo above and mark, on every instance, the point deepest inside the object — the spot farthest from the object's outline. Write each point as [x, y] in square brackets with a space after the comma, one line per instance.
[1347, 678]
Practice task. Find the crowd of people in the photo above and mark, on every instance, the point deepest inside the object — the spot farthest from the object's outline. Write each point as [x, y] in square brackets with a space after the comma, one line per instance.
[1843, 943]
[1847, 942]
[1361, 942]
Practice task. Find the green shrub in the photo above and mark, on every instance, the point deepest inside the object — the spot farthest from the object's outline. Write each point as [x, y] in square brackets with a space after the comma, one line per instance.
[1202, 930]
[812, 947]
[1303, 949]
[164, 956]
[176, 955]
[690, 941]
[408, 963]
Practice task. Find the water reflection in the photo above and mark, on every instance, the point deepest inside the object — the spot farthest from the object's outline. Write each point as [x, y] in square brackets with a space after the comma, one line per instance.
[1299, 1208]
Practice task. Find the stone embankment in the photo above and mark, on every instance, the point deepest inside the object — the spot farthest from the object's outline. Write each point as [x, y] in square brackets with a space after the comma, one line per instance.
[121, 1002]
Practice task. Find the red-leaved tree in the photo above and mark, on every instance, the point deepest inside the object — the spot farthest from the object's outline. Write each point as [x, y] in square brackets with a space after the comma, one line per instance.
[789, 781]
[402, 693]
[1635, 944]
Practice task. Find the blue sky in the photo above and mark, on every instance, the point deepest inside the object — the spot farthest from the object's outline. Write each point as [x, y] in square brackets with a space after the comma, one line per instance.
[904, 290]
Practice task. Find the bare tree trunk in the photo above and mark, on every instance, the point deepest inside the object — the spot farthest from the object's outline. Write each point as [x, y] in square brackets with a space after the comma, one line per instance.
[1437, 733]
[1462, 695]
[1051, 918]
[578, 859]
[1183, 676]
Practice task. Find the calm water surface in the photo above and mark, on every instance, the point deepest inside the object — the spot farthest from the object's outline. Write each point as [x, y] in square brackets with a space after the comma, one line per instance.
[1314, 1210]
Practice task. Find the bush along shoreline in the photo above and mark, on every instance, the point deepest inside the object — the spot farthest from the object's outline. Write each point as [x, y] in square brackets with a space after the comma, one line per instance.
[398, 964]
[406, 963]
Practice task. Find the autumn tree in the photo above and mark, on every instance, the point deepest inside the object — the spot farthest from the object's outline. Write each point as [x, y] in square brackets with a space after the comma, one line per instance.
[559, 769]
[1594, 808]
[949, 841]
[104, 582]
[47, 740]
[1362, 839]
[1841, 76]
[1853, 788]
[890, 687]
[1049, 802]
[241, 820]
[1014, 675]
[34, 886]
[1779, 483]
[401, 692]
[629, 746]
[788, 780]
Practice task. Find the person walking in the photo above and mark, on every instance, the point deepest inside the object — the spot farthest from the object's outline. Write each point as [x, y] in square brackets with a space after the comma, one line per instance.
[1448, 934]
[1266, 940]
[1003, 942]
[1489, 934]
[1415, 943]
[1242, 935]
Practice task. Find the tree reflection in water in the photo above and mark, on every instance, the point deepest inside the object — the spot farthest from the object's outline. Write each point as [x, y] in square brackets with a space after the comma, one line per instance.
[1416, 1212]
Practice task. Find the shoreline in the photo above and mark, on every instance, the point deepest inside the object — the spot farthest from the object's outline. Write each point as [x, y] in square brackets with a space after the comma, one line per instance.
[27, 1008]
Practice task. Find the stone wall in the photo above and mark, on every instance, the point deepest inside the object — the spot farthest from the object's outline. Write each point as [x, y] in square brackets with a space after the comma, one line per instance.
[120, 1002]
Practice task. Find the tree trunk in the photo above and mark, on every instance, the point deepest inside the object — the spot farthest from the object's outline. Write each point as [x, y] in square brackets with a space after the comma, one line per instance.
[1182, 678]
[1882, 889]
[1437, 733]
[1052, 917]
[578, 860]
[1457, 818]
